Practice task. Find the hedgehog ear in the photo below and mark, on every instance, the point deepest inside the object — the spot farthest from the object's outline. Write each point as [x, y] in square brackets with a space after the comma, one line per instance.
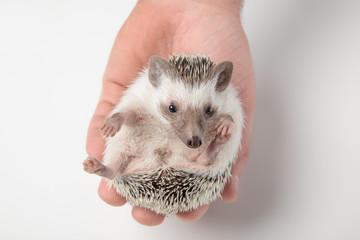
[157, 67]
[223, 71]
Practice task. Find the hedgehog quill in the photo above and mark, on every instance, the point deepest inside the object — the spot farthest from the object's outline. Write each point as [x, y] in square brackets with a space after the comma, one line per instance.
[172, 139]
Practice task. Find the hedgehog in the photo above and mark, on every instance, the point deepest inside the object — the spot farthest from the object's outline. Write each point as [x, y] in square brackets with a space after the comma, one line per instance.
[172, 139]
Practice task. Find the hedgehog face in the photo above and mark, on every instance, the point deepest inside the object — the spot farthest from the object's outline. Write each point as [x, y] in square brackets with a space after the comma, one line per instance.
[191, 111]
[191, 124]
[187, 88]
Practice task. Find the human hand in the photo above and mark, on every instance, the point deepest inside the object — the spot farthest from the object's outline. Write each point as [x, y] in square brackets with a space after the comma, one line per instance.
[164, 27]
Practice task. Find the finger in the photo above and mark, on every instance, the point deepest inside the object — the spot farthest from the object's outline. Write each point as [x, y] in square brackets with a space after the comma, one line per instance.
[147, 217]
[95, 143]
[230, 191]
[121, 69]
[109, 195]
[193, 215]
[110, 96]
[245, 148]
[123, 66]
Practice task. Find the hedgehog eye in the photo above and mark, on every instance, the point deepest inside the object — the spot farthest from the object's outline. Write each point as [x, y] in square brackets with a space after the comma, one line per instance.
[172, 108]
[208, 110]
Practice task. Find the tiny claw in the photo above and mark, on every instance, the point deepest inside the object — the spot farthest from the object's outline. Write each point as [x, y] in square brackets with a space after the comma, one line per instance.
[223, 131]
[219, 130]
[108, 132]
[105, 131]
[224, 127]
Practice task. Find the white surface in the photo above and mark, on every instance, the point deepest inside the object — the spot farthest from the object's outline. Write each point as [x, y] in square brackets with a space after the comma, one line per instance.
[302, 180]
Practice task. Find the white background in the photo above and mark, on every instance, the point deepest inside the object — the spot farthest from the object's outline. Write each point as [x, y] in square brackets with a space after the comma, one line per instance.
[301, 182]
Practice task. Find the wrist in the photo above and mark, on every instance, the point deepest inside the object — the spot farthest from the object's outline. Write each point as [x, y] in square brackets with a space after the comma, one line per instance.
[229, 5]
[232, 6]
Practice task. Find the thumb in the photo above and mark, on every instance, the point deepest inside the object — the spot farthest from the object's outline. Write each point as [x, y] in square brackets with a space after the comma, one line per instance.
[230, 191]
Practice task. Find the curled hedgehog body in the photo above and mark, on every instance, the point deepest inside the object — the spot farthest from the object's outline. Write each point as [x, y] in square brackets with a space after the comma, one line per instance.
[172, 139]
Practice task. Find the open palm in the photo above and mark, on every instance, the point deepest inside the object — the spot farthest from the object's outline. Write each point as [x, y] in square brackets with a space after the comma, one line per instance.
[164, 28]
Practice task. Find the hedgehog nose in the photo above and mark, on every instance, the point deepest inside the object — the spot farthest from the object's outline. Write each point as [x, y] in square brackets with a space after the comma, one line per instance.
[194, 142]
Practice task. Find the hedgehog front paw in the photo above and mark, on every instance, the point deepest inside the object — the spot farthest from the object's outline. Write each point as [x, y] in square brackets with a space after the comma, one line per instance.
[112, 125]
[92, 165]
[224, 127]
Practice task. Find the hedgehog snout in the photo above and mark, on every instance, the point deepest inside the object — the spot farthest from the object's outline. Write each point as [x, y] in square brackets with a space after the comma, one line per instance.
[194, 142]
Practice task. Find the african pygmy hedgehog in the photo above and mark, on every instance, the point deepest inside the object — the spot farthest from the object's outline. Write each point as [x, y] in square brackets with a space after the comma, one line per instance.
[172, 139]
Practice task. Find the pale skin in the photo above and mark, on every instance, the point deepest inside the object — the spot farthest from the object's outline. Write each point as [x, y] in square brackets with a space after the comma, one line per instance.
[164, 27]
